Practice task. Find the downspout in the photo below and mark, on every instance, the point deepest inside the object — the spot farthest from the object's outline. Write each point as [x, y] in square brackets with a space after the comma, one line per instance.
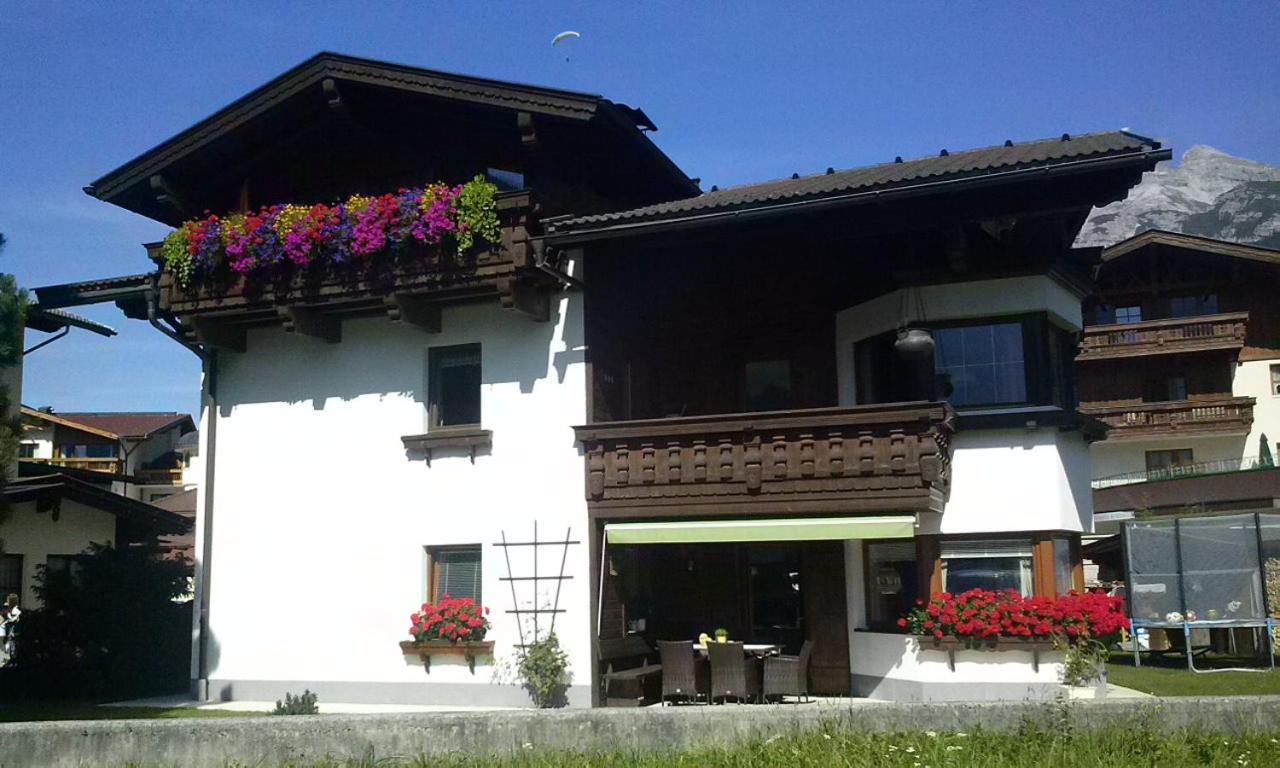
[209, 400]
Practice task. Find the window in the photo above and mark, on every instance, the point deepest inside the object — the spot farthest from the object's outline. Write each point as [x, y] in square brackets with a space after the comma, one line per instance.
[768, 385]
[27, 451]
[892, 581]
[453, 571]
[10, 576]
[63, 566]
[994, 564]
[1161, 461]
[453, 385]
[1191, 306]
[981, 364]
[1275, 380]
[93, 451]
[505, 180]
[1129, 314]
[1164, 390]
[1064, 571]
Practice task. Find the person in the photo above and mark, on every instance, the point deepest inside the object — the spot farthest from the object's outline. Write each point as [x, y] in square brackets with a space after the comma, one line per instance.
[10, 613]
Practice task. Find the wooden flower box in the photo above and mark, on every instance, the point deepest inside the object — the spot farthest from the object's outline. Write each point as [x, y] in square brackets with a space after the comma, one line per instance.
[425, 650]
[952, 644]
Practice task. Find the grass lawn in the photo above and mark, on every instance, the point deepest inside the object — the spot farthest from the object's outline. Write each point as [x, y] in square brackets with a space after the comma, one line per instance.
[15, 712]
[1169, 676]
[1130, 747]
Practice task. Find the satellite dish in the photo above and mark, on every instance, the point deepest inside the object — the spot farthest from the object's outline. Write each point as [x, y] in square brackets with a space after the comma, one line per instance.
[562, 37]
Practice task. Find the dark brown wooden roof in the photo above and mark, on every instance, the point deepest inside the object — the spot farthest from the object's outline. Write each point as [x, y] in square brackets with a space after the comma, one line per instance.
[277, 103]
[131, 424]
[59, 485]
[898, 175]
[1157, 237]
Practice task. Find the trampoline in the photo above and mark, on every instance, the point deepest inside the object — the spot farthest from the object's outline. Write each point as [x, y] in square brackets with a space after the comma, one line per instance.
[1201, 572]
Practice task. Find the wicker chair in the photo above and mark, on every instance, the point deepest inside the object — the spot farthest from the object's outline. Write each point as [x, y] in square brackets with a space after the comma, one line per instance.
[732, 675]
[788, 675]
[679, 680]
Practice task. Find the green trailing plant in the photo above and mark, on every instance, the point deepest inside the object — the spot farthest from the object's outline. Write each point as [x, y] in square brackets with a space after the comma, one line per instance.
[477, 214]
[1083, 659]
[302, 704]
[544, 670]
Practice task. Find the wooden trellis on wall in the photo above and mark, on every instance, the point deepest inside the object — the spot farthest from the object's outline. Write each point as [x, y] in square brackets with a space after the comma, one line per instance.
[535, 610]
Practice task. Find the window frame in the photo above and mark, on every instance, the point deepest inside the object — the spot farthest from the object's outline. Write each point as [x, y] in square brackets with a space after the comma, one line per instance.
[923, 590]
[1275, 380]
[433, 592]
[1190, 454]
[1036, 365]
[1029, 539]
[436, 361]
[20, 559]
[747, 367]
[1117, 310]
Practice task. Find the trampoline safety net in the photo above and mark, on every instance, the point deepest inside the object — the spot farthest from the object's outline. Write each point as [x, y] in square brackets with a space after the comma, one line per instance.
[1205, 569]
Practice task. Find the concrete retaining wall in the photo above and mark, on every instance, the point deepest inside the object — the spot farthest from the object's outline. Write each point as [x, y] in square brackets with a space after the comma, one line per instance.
[268, 741]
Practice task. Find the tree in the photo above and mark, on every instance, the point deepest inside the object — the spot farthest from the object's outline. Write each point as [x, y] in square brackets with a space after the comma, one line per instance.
[12, 303]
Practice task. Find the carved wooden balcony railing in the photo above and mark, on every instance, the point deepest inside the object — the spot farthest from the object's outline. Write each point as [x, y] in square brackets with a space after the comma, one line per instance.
[1219, 415]
[171, 476]
[1158, 337]
[112, 466]
[862, 459]
[413, 294]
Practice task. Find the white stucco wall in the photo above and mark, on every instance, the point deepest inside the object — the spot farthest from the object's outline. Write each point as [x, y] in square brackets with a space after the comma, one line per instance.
[1118, 457]
[321, 518]
[1018, 480]
[36, 535]
[1253, 379]
[904, 668]
[39, 436]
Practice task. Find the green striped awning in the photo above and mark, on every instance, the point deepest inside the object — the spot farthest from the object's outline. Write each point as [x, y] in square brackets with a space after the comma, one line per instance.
[792, 529]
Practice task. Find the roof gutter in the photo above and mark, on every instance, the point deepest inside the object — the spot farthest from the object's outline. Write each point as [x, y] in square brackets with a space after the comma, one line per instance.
[851, 198]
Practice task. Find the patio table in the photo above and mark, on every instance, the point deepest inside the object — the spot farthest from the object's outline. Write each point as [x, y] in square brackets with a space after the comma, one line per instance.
[755, 649]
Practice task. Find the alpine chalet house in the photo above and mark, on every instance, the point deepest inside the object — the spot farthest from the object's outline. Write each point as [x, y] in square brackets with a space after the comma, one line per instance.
[483, 339]
[1181, 358]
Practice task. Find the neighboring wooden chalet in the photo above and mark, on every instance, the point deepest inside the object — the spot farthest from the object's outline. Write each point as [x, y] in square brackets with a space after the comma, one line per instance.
[1181, 358]
[138, 454]
[624, 410]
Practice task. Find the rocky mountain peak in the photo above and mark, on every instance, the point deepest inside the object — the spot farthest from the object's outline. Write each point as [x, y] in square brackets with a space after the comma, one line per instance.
[1209, 193]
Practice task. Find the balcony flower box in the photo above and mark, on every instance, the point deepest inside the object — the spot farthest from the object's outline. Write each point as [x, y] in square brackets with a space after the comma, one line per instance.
[428, 648]
[451, 627]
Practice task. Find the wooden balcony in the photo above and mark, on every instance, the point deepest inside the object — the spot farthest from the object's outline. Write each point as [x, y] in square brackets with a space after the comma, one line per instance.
[1161, 337]
[1210, 416]
[412, 293]
[159, 476]
[110, 466]
[863, 459]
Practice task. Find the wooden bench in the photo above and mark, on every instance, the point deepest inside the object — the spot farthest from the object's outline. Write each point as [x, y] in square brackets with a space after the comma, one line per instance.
[628, 679]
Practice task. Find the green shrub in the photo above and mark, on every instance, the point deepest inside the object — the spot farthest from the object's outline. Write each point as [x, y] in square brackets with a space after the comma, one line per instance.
[304, 704]
[544, 669]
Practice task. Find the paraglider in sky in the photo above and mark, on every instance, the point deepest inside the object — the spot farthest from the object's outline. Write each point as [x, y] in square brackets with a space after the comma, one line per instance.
[562, 37]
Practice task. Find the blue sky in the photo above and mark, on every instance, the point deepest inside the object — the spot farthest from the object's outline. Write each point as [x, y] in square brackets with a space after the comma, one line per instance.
[740, 91]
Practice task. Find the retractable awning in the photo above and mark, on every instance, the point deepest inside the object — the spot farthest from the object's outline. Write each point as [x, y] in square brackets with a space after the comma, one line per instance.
[792, 529]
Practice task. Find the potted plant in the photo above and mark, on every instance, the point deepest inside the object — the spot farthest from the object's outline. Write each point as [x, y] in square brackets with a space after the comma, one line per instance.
[722, 635]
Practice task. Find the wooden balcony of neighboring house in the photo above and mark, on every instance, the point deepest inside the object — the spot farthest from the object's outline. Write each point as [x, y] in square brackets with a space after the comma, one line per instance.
[1225, 415]
[171, 476]
[872, 458]
[108, 465]
[512, 271]
[1160, 337]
